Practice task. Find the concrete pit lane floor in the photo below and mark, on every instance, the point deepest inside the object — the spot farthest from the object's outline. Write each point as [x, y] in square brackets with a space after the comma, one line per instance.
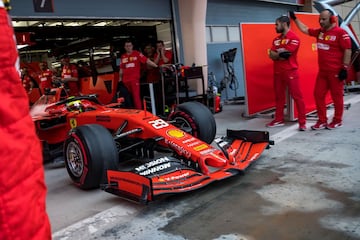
[306, 186]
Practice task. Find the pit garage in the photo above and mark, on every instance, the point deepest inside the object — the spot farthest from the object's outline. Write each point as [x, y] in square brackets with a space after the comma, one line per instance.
[91, 34]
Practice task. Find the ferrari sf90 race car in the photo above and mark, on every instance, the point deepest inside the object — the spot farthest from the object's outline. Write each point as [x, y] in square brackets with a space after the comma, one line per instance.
[137, 155]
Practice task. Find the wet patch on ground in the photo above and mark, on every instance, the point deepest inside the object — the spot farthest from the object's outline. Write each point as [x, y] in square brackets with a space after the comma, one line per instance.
[295, 195]
[240, 211]
[296, 189]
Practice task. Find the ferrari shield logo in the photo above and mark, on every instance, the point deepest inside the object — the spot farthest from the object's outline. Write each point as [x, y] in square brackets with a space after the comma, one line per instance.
[73, 123]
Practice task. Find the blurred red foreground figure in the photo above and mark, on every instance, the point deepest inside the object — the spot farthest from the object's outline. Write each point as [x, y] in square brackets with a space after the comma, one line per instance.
[22, 187]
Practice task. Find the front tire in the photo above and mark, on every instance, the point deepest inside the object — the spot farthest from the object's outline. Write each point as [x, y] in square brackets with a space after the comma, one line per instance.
[195, 119]
[90, 151]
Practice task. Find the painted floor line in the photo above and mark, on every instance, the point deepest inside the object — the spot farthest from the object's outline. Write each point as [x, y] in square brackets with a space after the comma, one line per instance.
[93, 224]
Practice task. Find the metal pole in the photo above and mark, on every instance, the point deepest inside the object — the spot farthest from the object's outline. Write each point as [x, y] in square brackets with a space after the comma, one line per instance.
[352, 14]
[326, 4]
[152, 98]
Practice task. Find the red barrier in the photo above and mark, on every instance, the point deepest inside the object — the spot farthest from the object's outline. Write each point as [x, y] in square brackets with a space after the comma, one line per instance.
[258, 68]
[104, 86]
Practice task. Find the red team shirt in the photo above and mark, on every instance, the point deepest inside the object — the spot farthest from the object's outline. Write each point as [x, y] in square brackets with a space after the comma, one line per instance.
[45, 79]
[330, 46]
[68, 72]
[152, 74]
[26, 81]
[289, 42]
[168, 55]
[131, 64]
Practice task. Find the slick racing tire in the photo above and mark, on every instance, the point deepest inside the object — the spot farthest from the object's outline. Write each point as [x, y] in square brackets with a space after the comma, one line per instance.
[195, 119]
[90, 151]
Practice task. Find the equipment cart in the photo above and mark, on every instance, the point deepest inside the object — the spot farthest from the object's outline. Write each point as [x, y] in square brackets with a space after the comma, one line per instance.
[175, 85]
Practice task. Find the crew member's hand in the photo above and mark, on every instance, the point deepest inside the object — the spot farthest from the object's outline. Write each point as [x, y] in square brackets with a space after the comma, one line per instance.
[285, 54]
[56, 79]
[342, 74]
[292, 15]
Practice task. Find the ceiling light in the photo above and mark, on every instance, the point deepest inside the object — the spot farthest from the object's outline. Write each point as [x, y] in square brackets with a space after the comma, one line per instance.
[20, 46]
[100, 24]
[54, 24]
[72, 24]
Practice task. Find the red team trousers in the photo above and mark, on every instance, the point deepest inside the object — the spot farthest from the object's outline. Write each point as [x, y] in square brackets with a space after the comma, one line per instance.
[133, 87]
[328, 80]
[290, 79]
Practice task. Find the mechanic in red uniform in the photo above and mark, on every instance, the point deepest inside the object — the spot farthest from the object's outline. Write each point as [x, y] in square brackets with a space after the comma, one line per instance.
[334, 55]
[69, 75]
[152, 75]
[130, 66]
[162, 56]
[22, 185]
[45, 77]
[284, 54]
[28, 81]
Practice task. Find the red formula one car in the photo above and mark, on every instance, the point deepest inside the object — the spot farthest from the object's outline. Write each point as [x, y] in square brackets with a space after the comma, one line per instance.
[137, 155]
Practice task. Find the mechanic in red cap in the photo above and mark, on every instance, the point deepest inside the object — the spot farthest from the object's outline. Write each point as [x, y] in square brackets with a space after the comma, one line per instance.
[70, 76]
[130, 67]
[22, 186]
[334, 55]
[283, 52]
[45, 76]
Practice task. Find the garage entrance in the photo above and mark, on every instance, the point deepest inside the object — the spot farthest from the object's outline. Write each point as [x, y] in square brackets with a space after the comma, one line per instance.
[42, 39]
[96, 44]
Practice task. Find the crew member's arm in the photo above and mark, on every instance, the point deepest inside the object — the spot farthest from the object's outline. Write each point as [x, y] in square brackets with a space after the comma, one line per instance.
[32, 85]
[164, 57]
[291, 47]
[151, 63]
[345, 44]
[120, 75]
[274, 55]
[347, 58]
[280, 54]
[70, 79]
[300, 25]
[157, 58]
[343, 74]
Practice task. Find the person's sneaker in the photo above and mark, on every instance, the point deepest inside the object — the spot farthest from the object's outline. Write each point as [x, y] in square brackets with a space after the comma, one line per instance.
[334, 124]
[302, 127]
[275, 123]
[319, 125]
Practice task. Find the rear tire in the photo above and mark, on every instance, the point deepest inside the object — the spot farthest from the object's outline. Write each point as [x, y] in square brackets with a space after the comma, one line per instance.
[195, 119]
[90, 151]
